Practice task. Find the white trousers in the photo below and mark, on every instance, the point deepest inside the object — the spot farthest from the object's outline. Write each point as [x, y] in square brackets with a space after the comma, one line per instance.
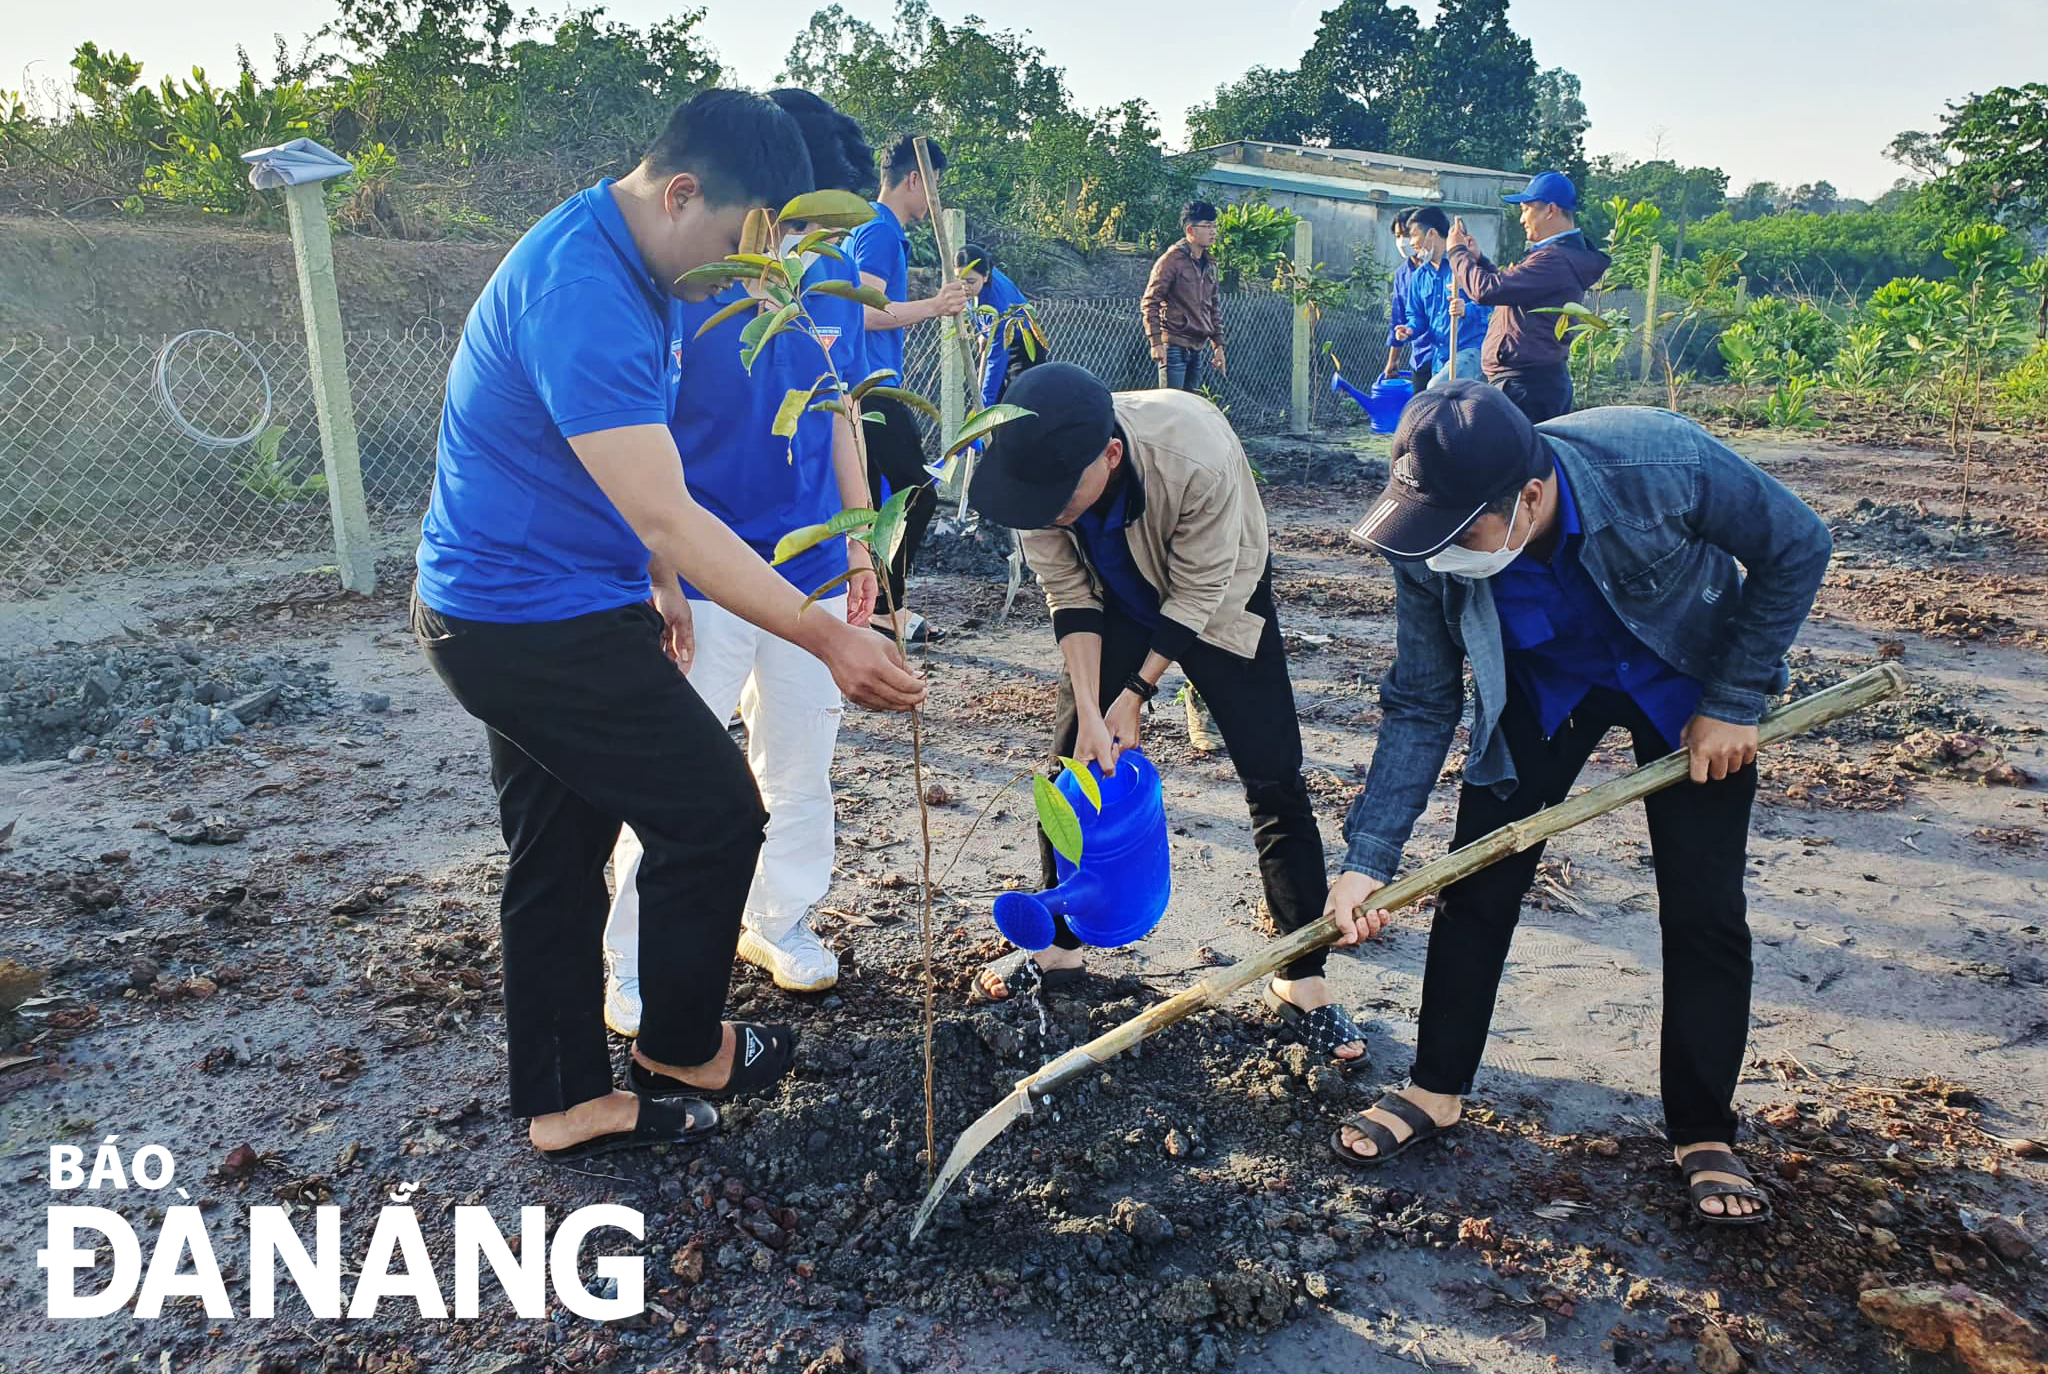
[792, 707]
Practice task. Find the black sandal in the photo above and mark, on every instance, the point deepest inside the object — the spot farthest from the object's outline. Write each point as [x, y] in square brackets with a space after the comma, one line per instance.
[1697, 1162]
[662, 1121]
[761, 1055]
[1322, 1030]
[1421, 1127]
[1010, 971]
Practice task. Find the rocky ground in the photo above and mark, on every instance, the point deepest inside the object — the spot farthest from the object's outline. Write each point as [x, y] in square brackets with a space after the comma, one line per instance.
[272, 951]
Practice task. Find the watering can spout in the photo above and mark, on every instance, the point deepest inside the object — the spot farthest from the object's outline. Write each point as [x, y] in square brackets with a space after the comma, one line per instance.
[1338, 384]
[1026, 918]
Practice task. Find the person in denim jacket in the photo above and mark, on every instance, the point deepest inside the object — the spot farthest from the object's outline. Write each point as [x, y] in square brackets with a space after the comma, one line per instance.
[1586, 569]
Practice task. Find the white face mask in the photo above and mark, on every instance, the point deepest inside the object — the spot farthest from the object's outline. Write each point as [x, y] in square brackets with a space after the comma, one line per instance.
[789, 243]
[1463, 562]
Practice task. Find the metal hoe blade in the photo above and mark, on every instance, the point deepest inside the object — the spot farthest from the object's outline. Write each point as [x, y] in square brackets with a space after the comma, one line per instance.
[972, 1142]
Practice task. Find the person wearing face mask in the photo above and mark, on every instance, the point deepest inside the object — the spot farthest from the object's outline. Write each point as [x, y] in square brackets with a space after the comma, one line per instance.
[549, 602]
[1434, 300]
[1618, 567]
[763, 487]
[1402, 331]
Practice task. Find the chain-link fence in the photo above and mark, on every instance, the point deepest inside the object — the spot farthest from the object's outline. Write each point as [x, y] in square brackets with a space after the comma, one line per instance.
[110, 507]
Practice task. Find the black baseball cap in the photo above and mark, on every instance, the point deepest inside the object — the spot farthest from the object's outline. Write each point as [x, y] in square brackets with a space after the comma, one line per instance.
[1030, 467]
[1458, 449]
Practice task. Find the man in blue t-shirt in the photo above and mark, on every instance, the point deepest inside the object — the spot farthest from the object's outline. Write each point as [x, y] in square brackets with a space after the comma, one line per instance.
[1402, 328]
[881, 249]
[1434, 300]
[559, 511]
[763, 487]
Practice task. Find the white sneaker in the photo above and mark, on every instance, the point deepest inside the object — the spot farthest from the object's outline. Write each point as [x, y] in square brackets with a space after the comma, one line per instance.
[798, 962]
[622, 1003]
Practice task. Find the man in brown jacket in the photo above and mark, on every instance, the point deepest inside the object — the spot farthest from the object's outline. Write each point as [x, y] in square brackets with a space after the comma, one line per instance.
[1141, 519]
[1183, 305]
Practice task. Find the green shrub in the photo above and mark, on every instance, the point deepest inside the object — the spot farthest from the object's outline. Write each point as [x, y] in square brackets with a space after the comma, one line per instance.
[2022, 400]
[1777, 339]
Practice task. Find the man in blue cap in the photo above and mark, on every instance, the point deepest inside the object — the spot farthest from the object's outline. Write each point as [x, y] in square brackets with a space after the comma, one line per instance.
[1523, 355]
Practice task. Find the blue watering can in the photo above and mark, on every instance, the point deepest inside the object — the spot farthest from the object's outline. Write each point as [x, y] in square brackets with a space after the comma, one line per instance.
[1118, 892]
[1384, 403]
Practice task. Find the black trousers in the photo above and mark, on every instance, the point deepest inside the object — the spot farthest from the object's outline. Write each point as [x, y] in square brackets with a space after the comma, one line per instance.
[896, 452]
[1253, 703]
[1541, 393]
[1423, 372]
[591, 727]
[1699, 840]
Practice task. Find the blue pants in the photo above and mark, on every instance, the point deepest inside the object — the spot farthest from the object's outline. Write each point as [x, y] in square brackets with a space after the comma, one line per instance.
[1182, 370]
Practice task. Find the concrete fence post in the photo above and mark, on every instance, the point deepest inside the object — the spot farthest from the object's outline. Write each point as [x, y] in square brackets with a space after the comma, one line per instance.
[1650, 308]
[1304, 331]
[953, 379]
[302, 168]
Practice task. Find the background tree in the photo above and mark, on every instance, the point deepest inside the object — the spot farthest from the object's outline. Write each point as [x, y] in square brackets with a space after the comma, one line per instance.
[1355, 77]
[1994, 159]
[1758, 199]
[1266, 105]
[1561, 123]
[1469, 94]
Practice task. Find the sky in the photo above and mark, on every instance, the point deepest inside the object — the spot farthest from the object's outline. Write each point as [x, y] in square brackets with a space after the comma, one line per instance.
[1768, 90]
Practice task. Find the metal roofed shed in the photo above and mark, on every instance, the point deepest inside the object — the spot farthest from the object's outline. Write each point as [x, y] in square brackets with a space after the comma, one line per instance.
[1351, 196]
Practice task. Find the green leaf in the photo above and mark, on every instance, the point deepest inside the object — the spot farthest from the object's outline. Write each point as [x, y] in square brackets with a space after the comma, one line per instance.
[810, 536]
[835, 405]
[982, 421]
[834, 585]
[791, 412]
[718, 274]
[761, 330]
[828, 210]
[897, 393]
[846, 290]
[887, 535]
[1057, 819]
[821, 241]
[755, 259]
[737, 308]
[872, 380]
[1085, 780]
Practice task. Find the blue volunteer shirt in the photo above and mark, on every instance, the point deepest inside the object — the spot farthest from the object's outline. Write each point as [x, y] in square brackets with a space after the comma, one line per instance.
[1563, 639]
[760, 485]
[1002, 295]
[570, 336]
[882, 247]
[1401, 310]
[1107, 548]
[1429, 311]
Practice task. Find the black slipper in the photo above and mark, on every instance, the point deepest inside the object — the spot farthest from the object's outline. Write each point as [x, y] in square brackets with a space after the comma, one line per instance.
[761, 1055]
[663, 1121]
[1385, 1147]
[1700, 1162]
[1011, 971]
[1322, 1030]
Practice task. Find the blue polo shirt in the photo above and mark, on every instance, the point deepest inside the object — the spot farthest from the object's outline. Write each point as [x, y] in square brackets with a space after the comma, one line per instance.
[570, 336]
[760, 485]
[1002, 295]
[1401, 311]
[1429, 311]
[883, 248]
[1107, 548]
[1563, 639]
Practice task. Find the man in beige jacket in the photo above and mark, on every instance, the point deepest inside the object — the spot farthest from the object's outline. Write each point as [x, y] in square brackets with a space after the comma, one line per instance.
[1140, 517]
